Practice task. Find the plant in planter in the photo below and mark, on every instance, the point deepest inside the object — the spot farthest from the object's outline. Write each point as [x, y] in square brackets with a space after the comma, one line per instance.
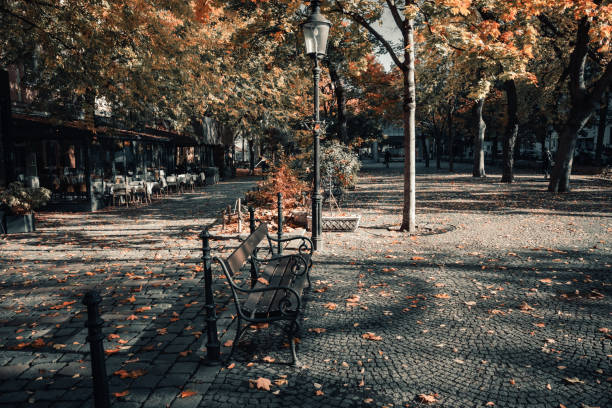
[339, 167]
[21, 202]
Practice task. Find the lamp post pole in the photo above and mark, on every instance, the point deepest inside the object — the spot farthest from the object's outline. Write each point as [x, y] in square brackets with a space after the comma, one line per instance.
[316, 189]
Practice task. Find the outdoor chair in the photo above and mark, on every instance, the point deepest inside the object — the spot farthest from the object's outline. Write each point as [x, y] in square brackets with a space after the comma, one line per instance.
[120, 191]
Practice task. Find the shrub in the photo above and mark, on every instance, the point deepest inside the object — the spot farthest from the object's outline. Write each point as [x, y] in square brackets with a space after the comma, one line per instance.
[281, 179]
[339, 165]
[22, 200]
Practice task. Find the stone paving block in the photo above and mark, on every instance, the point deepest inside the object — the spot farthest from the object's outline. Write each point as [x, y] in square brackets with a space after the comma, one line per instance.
[12, 371]
[161, 397]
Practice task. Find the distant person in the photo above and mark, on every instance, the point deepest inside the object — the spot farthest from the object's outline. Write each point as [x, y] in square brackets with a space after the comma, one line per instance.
[387, 158]
[547, 164]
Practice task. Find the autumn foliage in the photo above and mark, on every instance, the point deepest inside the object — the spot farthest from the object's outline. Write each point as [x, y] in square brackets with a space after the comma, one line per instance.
[281, 179]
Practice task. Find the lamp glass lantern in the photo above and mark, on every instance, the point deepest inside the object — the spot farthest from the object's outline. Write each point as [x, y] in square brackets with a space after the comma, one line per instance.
[316, 30]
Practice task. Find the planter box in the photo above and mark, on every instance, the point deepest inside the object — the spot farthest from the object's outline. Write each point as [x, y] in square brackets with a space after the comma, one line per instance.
[339, 223]
[16, 224]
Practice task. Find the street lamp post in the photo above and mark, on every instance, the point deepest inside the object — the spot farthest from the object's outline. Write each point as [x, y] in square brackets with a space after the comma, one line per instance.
[316, 29]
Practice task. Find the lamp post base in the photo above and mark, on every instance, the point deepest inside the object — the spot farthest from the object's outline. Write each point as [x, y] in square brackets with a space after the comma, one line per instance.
[317, 242]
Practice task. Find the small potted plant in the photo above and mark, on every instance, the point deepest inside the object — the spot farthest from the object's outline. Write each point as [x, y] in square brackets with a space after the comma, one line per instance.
[339, 167]
[21, 201]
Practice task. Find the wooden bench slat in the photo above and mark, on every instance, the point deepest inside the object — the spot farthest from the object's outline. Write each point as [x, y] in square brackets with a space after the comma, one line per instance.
[258, 303]
[295, 282]
[279, 273]
[242, 253]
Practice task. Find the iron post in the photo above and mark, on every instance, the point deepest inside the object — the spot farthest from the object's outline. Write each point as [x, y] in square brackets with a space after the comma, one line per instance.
[280, 223]
[316, 189]
[95, 337]
[213, 346]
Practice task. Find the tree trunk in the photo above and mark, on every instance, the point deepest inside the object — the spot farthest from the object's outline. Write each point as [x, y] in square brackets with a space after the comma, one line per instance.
[451, 140]
[339, 91]
[438, 149]
[511, 132]
[424, 147]
[409, 109]
[583, 104]
[478, 169]
[6, 140]
[560, 176]
[601, 128]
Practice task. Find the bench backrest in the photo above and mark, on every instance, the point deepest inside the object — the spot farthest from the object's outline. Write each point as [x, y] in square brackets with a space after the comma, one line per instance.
[242, 253]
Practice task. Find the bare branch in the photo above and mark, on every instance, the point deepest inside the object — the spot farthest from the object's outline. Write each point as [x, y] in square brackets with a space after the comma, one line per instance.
[363, 22]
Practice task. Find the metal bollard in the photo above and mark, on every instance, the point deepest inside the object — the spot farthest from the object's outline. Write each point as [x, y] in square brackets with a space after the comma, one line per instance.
[252, 227]
[213, 346]
[95, 337]
[280, 223]
[252, 219]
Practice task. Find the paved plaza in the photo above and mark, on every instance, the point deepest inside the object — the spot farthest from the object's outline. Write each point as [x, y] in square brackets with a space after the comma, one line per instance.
[502, 298]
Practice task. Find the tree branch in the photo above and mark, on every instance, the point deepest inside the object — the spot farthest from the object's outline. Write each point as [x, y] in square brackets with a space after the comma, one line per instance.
[362, 21]
[34, 25]
[602, 83]
[396, 16]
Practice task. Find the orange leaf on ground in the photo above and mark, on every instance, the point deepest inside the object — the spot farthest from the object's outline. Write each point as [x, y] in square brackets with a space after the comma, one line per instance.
[130, 374]
[428, 398]
[317, 330]
[38, 343]
[268, 359]
[187, 393]
[330, 306]
[371, 336]
[417, 258]
[228, 343]
[229, 367]
[263, 281]
[121, 394]
[442, 296]
[261, 383]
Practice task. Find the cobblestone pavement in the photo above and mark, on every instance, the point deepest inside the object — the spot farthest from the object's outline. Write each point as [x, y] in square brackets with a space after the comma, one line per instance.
[146, 264]
[510, 308]
[502, 298]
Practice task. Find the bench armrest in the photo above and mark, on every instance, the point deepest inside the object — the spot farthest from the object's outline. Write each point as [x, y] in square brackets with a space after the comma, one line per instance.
[235, 288]
[304, 248]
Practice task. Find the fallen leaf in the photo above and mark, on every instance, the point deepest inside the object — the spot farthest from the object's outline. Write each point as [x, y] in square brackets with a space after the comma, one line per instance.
[371, 336]
[262, 383]
[525, 306]
[319, 392]
[427, 398]
[121, 394]
[442, 296]
[573, 380]
[330, 306]
[417, 258]
[268, 359]
[130, 374]
[187, 393]
[228, 343]
[229, 367]
[368, 400]
[263, 281]
[317, 330]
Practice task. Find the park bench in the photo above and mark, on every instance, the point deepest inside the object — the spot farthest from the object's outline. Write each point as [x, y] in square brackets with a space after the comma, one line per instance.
[274, 291]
